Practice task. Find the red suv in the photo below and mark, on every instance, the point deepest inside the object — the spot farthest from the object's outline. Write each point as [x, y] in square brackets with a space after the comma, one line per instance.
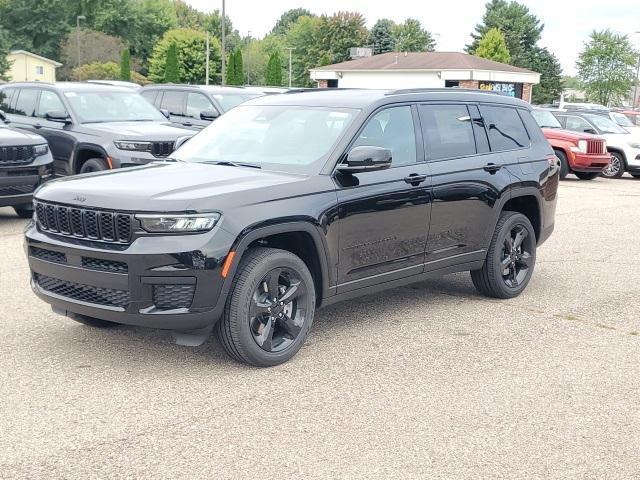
[582, 154]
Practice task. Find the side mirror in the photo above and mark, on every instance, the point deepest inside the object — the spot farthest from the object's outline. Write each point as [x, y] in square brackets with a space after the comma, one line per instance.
[366, 159]
[181, 141]
[590, 130]
[58, 116]
[165, 112]
[3, 117]
[209, 115]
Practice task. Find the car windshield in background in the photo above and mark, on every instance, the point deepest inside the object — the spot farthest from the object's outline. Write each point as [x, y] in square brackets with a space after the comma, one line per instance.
[230, 100]
[622, 120]
[605, 124]
[99, 107]
[545, 119]
[285, 137]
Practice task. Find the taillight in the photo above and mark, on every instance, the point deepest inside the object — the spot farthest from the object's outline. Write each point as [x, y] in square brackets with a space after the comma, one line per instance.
[553, 160]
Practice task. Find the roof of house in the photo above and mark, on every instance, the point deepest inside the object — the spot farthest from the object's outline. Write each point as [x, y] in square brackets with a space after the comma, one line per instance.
[44, 59]
[423, 61]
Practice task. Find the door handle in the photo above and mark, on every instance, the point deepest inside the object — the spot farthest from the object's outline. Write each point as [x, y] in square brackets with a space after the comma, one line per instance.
[188, 124]
[492, 168]
[38, 125]
[415, 179]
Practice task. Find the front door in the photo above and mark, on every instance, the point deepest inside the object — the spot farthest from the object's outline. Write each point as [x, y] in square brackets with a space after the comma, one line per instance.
[60, 141]
[384, 215]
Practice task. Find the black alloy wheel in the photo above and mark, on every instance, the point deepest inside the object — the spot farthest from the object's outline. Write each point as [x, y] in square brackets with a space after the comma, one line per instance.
[516, 255]
[278, 309]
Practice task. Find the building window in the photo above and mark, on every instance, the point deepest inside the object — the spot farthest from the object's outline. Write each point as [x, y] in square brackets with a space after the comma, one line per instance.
[39, 70]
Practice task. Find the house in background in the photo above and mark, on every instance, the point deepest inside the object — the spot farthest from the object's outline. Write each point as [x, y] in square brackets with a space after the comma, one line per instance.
[29, 67]
[397, 70]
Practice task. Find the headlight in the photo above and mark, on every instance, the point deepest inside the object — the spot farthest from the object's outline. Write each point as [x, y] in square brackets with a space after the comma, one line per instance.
[40, 150]
[135, 146]
[634, 144]
[160, 223]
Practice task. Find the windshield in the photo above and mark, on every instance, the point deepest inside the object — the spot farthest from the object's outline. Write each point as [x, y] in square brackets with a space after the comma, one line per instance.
[622, 120]
[229, 100]
[97, 107]
[284, 137]
[605, 124]
[545, 119]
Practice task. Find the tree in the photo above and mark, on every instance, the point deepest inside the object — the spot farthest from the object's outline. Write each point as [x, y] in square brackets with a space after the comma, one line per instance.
[288, 18]
[191, 48]
[493, 47]
[238, 68]
[547, 65]
[125, 65]
[381, 36]
[337, 34]
[302, 38]
[5, 64]
[606, 67]
[95, 47]
[409, 36]
[103, 71]
[231, 69]
[521, 29]
[273, 76]
[171, 71]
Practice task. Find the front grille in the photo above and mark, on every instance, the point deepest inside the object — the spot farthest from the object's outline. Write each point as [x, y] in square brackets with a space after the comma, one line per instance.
[595, 147]
[168, 297]
[104, 265]
[83, 293]
[86, 223]
[47, 255]
[16, 155]
[162, 149]
[22, 189]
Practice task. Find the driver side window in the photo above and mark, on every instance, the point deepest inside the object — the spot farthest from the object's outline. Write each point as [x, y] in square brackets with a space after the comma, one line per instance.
[391, 128]
[578, 124]
[49, 102]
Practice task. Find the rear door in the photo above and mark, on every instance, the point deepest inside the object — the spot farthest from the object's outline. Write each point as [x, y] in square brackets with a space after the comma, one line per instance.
[23, 109]
[196, 104]
[61, 141]
[174, 101]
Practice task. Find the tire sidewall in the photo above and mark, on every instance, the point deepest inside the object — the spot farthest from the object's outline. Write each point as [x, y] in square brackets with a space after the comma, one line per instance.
[98, 163]
[564, 164]
[622, 166]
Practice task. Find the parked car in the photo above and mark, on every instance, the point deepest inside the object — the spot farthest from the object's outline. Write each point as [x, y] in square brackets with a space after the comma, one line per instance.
[582, 106]
[117, 83]
[25, 163]
[196, 106]
[339, 193]
[582, 154]
[90, 126]
[633, 115]
[622, 145]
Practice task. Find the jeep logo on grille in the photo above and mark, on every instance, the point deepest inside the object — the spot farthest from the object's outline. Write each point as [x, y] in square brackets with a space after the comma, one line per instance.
[80, 198]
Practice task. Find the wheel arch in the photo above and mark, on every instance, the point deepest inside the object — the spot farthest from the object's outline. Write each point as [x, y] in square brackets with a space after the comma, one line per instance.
[619, 151]
[84, 152]
[527, 201]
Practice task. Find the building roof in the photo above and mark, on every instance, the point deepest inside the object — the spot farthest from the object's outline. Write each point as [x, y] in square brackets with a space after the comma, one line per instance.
[422, 61]
[29, 54]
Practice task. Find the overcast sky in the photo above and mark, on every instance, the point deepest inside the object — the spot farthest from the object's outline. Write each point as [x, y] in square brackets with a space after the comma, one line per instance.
[567, 22]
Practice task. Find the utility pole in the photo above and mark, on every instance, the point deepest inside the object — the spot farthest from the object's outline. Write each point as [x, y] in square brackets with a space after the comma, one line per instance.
[636, 102]
[248, 63]
[78, 18]
[224, 50]
[206, 67]
[290, 50]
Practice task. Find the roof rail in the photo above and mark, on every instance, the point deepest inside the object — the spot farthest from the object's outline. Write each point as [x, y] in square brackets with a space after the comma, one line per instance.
[441, 89]
[315, 89]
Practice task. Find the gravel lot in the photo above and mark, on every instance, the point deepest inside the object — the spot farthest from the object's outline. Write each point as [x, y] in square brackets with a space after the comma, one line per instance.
[426, 381]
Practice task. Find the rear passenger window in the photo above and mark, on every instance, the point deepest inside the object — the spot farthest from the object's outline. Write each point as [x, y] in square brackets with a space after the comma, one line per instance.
[505, 128]
[150, 96]
[391, 128]
[448, 131]
[26, 103]
[5, 99]
[174, 102]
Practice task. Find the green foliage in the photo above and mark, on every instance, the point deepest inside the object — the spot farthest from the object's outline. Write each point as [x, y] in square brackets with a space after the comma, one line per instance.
[302, 38]
[273, 76]
[288, 18]
[381, 36]
[238, 68]
[104, 71]
[191, 48]
[338, 33]
[94, 47]
[606, 67]
[5, 64]
[231, 69]
[171, 72]
[125, 65]
[493, 47]
[547, 65]
[521, 29]
[571, 82]
[409, 36]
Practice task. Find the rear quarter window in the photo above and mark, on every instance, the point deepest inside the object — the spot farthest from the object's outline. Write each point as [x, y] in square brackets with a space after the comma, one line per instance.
[505, 128]
[533, 129]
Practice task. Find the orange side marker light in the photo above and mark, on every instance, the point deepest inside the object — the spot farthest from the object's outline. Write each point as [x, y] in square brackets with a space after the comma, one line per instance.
[226, 266]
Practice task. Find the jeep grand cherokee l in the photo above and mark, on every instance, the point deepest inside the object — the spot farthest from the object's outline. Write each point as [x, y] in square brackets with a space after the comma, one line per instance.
[291, 202]
[91, 126]
[25, 163]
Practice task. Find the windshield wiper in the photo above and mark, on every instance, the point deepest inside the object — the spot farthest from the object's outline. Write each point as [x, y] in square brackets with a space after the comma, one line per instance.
[233, 164]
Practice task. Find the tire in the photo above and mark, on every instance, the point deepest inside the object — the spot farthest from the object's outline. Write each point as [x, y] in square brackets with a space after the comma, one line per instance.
[586, 175]
[252, 313]
[491, 280]
[93, 322]
[94, 165]
[564, 164]
[24, 211]
[635, 175]
[616, 168]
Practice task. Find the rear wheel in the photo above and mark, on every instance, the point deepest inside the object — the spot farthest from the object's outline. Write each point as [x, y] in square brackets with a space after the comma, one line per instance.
[564, 164]
[270, 308]
[24, 211]
[586, 175]
[93, 322]
[616, 167]
[94, 165]
[510, 259]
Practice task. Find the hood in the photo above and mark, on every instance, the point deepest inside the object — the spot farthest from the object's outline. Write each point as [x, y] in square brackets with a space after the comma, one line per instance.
[10, 137]
[171, 187]
[561, 134]
[138, 130]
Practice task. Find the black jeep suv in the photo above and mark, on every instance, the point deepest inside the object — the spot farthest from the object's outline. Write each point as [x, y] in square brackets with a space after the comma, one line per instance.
[91, 126]
[295, 201]
[25, 163]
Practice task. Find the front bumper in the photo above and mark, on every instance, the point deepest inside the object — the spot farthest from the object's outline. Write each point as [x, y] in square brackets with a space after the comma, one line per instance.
[583, 162]
[17, 183]
[158, 281]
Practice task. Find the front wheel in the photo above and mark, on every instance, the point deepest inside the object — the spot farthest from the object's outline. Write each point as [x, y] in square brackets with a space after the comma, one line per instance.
[586, 175]
[510, 259]
[94, 165]
[564, 164]
[270, 308]
[616, 167]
